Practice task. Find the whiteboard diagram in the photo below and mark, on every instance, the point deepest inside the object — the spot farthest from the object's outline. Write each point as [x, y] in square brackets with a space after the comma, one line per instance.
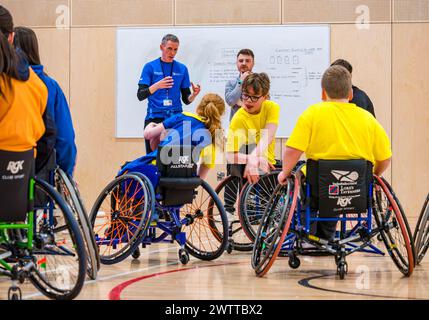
[294, 57]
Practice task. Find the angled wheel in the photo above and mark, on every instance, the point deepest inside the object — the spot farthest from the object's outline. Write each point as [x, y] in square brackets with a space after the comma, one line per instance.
[121, 215]
[228, 190]
[207, 228]
[393, 225]
[421, 233]
[274, 226]
[253, 200]
[59, 249]
[69, 192]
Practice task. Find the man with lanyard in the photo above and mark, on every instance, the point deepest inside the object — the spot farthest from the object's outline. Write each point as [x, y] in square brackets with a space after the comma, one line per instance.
[163, 81]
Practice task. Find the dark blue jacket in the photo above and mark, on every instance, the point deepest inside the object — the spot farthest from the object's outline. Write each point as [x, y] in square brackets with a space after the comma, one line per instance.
[59, 110]
[46, 144]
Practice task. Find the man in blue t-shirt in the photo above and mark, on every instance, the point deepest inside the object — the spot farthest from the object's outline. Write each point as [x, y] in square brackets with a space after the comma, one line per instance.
[163, 82]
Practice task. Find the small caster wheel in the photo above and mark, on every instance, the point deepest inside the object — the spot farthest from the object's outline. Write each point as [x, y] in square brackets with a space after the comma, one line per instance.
[379, 237]
[229, 247]
[136, 254]
[14, 293]
[183, 256]
[342, 270]
[294, 262]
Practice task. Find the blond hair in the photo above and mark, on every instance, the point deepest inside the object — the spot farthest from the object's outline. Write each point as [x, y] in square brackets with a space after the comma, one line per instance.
[211, 108]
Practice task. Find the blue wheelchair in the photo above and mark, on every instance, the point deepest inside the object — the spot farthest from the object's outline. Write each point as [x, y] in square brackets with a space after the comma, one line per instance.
[166, 202]
[333, 191]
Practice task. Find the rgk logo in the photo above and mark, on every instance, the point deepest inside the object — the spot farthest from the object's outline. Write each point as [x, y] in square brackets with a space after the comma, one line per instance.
[345, 176]
[344, 201]
[183, 159]
[15, 166]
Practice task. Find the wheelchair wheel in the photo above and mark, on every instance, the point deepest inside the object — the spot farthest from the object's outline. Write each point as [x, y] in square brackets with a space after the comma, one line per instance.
[228, 191]
[393, 225]
[59, 248]
[68, 191]
[421, 233]
[253, 200]
[207, 230]
[121, 215]
[274, 226]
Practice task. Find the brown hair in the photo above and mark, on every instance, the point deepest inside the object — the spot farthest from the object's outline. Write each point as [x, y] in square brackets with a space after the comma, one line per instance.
[343, 63]
[8, 59]
[246, 52]
[337, 82]
[260, 83]
[212, 107]
[26, 40]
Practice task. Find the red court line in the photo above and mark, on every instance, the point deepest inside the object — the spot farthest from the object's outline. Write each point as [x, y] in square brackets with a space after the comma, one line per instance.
[115, 293]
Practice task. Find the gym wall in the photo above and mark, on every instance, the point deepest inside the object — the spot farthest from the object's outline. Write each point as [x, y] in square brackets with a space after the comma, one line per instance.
[389, 60]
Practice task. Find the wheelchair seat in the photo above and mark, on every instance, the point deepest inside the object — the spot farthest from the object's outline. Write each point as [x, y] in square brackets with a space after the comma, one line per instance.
[16, 170]
[177, 166]
[338, 186]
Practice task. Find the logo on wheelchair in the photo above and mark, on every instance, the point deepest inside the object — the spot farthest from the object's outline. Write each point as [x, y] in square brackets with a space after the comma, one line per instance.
[345, 176]
[15, 166]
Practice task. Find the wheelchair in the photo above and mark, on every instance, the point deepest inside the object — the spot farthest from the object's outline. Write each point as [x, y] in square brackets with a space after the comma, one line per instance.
[40, 240]
[245, 203]
[333, 191]
[162, 203]
[421, 233]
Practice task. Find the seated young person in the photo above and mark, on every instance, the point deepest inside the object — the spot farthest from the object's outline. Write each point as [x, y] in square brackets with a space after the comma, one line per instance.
[22, 103]
[255, 123]
[199, 130]
[22, 96]
[336, 130]
[65, 149]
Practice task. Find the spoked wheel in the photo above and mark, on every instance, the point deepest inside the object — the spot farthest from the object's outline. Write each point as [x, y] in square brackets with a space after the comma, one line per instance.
[69, 192]
[421, 234]
[253, 200]
[228, 191]
[393, 225]
[207, 228]
[121, 215]
[59, 248]
[274, 226]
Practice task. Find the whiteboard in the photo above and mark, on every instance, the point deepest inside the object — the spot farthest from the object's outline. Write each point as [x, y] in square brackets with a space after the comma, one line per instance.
[294, 57]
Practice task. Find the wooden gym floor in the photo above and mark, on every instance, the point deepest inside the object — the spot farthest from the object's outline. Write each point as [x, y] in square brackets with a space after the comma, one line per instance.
[159, 275]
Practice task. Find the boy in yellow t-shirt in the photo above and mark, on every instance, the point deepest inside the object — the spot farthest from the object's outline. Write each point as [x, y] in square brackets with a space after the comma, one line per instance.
[255, 123]
[336, 130]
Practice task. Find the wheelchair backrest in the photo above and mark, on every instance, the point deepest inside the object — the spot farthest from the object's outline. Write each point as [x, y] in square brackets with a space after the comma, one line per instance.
[177, 165]
[16, 169]
[177, 161]
[339, 186]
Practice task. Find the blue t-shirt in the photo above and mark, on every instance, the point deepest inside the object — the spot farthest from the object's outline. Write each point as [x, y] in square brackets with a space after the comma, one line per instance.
[155, 71]
[186, 129]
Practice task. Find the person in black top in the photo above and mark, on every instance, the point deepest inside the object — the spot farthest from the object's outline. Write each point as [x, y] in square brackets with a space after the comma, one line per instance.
[360, 98]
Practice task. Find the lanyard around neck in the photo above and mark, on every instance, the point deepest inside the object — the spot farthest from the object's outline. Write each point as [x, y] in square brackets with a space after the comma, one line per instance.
[162, 68]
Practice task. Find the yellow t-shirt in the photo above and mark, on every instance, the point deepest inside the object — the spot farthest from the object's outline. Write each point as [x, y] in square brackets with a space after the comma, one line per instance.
[245, 128]
[22, 106]
[340, 131]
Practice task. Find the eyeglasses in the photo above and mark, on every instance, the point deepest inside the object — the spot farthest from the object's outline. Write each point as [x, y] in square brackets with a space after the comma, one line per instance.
[251, 98]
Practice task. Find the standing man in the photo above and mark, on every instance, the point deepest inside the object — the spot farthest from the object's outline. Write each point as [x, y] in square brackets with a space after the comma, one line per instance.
[163, 82]
[245, 63]
[360, 98]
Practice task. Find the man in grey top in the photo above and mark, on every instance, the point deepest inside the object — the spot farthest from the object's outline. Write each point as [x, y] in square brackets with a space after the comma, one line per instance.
[245, 63]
